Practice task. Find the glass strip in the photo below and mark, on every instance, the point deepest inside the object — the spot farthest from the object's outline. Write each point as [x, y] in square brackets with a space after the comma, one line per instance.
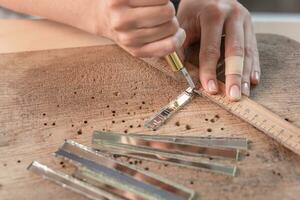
[71, 183]
[179, 160]
[217, 142]
[159, 145]
[123, 176]
[166, 112]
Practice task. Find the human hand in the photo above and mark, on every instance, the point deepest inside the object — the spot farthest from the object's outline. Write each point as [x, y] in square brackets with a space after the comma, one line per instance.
[207, 20]
[144, 28]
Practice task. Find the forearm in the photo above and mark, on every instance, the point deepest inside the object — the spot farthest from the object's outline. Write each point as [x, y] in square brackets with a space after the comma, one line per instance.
[144, 28]
[82, 14]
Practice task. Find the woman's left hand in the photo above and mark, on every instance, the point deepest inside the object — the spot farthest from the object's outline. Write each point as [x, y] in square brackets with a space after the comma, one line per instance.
[206, 21]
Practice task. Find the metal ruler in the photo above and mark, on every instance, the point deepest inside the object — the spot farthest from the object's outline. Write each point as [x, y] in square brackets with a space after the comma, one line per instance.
[260, 117]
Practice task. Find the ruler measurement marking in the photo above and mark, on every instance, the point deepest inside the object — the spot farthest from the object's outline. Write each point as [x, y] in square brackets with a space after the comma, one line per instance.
[236, 109]
[272, 127]
[262, 119]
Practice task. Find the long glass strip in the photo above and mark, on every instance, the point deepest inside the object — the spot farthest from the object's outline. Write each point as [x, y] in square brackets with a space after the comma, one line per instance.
[175, 159]
[165, 145]
[121, 176]
[217, 142]
[71, 183]
[202, 165]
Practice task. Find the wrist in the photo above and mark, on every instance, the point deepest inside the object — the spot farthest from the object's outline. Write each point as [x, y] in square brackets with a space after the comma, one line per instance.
[100, 21]
[92, 19]
[90, 16]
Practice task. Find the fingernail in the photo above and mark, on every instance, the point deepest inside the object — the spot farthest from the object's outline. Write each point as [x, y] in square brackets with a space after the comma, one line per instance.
[211, 86]
[235, 92]
[256, 76]
[180, 37]
[246, 89]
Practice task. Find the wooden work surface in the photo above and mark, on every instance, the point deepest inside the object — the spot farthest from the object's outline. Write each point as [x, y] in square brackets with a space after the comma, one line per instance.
[49, 96]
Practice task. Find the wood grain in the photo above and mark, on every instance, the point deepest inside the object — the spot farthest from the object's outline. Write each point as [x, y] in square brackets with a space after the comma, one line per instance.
[49, 96]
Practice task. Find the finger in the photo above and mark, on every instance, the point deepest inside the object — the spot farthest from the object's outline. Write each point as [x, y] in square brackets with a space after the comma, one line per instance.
[146, 17]
[139, 37]
[256, 70]
[234, 57]
[191, 38]
[248, 58]
[211, 34]
[160, 48]
[142, 3]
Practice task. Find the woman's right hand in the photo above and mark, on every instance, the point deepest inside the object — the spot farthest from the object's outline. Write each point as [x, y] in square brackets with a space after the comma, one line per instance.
[144, 28]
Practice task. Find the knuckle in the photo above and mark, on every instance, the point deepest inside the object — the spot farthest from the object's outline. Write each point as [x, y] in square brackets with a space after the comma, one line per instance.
[236, 10]
[126, 39]
[242, 10]
[214, 11]
[239, 10]
[119, 21]
[249, 51]
[116, 21]
[211, 51]
[236, 49]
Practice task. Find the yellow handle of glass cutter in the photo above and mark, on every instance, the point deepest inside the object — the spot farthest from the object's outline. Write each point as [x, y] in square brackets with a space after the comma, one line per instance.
[174, 61]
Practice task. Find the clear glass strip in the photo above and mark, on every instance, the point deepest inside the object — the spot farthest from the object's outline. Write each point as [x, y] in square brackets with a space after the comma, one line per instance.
[70, 182]
[164, 146]
[93, 178]
[169, 159]
[122, 176]
[217, 142]
[166, 112]
[179, 160]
